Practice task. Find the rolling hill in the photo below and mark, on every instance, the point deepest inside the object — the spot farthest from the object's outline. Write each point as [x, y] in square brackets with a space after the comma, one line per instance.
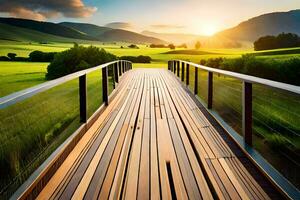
[267, 24]
[106, 34]
[88, 29]
[13, 33]
[46, 27]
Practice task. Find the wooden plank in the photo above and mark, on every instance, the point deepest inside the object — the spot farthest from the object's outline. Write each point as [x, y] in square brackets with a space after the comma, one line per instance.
[155, 183]
[249, 182]
[144, 171]
[225, 180]
[233, 179]
[162, 151]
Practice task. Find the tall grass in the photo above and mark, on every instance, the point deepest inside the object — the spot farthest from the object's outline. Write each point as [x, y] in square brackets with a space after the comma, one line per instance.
[31, 130]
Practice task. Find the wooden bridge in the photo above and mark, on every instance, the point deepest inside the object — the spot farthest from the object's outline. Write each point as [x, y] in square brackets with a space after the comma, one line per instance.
[152, 140]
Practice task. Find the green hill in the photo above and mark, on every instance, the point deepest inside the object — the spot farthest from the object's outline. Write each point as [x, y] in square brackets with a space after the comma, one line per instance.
[89, 29]
[46, 27]
[13, 33]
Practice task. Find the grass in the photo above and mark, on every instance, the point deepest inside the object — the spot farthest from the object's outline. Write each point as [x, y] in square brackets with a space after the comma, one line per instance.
[32, 129]
[15, 76]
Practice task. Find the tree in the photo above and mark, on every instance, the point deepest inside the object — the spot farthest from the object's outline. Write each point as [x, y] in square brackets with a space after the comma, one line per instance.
[283, 40]
[77, 58]
[171, 46]
[12, 56]
[197, 45]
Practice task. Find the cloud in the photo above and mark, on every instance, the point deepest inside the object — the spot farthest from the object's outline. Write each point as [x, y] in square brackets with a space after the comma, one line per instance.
[167, 26]
[43, 9]
[120, 25]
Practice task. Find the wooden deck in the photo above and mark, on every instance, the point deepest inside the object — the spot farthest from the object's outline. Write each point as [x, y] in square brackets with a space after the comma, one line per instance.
[153, 142]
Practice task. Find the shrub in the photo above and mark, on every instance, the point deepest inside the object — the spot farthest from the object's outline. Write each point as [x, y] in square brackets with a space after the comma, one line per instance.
[20, 59]
[75, 59]
[287, 71]
[197, 45]
[4, 58]
[39, 56]
[11, 56]
[182, 46]
[138, 59]
[133, 46]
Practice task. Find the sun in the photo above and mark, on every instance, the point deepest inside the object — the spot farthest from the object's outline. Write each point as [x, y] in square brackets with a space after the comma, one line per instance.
[205, 28]
[209, 29]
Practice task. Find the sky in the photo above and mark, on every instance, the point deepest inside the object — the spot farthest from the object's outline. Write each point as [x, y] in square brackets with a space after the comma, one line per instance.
[202, 17]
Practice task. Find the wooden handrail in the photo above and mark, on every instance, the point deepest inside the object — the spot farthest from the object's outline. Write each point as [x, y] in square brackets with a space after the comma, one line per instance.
[24, 94]
[247, 78]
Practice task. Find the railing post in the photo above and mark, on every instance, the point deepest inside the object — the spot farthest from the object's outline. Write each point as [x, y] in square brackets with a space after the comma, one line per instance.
[196, 81]
[123, 66]
[119, 68]
[116, 72]
[247, 112]
[210, 90]
[169, 67]
[82, 98]
[174, 65]
[182, 71]
[105, 85]
[187, 74]
[178, 68]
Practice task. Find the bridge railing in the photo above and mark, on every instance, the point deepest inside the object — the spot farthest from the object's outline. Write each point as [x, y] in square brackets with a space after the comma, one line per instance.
[37, 120]
[260, 114]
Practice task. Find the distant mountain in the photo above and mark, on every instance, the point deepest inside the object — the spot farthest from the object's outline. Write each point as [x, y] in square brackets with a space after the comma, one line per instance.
[14, 33]
[176, 38]
[267, 24]
[119, 35]
[46, 27]
[106, 34]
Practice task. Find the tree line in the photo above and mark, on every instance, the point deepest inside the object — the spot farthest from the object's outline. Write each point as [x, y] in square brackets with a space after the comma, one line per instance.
[34, 56]
[283, 40]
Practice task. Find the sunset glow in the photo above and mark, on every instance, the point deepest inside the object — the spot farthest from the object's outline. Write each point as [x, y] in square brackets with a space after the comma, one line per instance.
[209, 29]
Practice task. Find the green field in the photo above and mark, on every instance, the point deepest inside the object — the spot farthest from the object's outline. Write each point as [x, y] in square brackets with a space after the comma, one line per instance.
[32, 129]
